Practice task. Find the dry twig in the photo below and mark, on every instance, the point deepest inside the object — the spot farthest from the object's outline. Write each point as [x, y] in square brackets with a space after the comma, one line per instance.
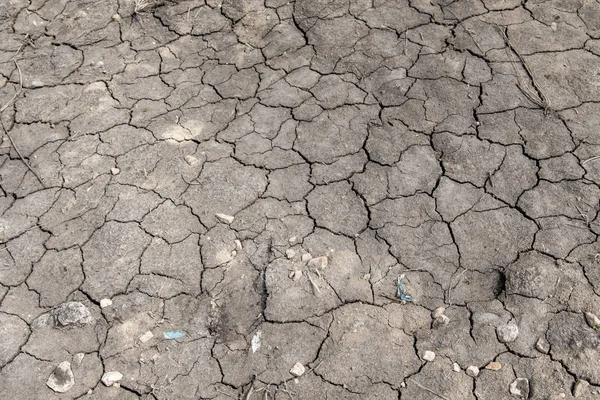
[4, 107]
[12, 142]
[430, 391]
[538, 98]
[456, 282]
[24, 42]
[314, 285]
[590, 159]
[19, 90]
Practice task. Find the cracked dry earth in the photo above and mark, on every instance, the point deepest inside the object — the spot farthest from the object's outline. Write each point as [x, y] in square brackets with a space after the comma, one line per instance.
[251, 177]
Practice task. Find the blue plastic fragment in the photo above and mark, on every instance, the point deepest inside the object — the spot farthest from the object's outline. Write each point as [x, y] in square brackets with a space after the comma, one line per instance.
[405, 297]
[173, 335]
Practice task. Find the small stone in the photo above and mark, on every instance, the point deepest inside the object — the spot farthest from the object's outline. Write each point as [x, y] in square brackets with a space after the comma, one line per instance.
[290, 253]
[520, 388]
[542, 346]
[256, 342]
[112, 377]
[71, 313]
[438, 312]
[297, 370]
[403, 384]
[507, 333]
[89, 392]
[592, 320]
[37, 84]
[146, 336]
[494, 366]
[440, 321]
[292, 240]
[191, 160]
[580, 387]
[78, 359]
[295, 275]
[428, 355]
[105, 303]
[61, 380]
[238, 244]
[224, 218]
[116, 17]
[472, 371]
[115, 171]
[306, 257]
[318, 262]
[456, 367]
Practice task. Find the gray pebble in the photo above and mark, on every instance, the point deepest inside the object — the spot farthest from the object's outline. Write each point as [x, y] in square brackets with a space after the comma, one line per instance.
[542, 346]
[62, 379]
[507, 333]
[520, 388]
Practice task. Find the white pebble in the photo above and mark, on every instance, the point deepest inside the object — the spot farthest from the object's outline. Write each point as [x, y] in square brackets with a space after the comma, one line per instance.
[105, 303]
[472, 371]
[592, 320]
[191, 160]
[297, 370]
[438, 312]
[224, 218]
[112, 377]
[428, 355]
[146, 336]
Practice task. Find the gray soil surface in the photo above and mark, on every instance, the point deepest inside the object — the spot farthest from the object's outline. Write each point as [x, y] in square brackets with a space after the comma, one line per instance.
[216, 199]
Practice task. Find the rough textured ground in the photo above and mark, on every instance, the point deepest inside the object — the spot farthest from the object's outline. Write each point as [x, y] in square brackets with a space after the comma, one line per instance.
[352, 141]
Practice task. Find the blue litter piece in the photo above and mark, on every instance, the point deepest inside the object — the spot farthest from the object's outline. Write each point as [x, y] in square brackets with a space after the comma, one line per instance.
[405, 297]
[173, 335]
